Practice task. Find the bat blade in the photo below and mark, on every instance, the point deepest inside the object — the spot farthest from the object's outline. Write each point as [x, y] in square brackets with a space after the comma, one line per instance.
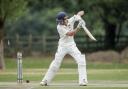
[88, 33]
[82, 23]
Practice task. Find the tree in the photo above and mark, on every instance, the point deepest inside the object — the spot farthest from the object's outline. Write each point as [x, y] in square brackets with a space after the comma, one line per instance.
[104, 17]
[113, 14]
[10, 10]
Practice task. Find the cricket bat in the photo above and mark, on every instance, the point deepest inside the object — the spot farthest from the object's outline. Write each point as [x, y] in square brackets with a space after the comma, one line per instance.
[82, 25]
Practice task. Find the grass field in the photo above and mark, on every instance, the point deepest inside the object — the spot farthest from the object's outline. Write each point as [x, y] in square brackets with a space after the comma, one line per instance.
[100, 75]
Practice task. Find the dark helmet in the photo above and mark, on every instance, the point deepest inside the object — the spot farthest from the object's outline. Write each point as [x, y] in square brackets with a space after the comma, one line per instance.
[60, 16]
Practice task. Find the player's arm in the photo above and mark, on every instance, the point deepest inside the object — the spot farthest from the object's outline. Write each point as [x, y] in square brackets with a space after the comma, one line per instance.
[72, 33]
[77, 17]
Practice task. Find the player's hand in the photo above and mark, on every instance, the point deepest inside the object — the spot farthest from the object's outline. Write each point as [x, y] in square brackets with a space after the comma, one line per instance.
[80, 13]
[71, 33]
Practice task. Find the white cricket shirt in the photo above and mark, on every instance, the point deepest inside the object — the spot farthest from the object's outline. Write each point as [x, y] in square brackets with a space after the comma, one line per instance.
[62, 30]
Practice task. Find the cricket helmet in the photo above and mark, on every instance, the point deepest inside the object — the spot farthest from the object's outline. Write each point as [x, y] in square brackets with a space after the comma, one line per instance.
[60, 16]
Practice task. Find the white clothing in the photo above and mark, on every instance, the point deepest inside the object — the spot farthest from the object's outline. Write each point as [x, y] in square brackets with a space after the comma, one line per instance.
[67, 46]
[62, 30]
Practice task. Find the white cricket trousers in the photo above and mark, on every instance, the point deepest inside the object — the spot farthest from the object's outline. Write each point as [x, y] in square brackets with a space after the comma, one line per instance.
[55, 65]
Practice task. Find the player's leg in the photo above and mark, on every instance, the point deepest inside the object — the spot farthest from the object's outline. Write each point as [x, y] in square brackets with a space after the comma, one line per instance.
[80, 59]
[82, 71]
[54, 66]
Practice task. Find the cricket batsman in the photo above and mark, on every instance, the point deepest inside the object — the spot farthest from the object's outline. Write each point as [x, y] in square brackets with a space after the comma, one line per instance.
[67, 45]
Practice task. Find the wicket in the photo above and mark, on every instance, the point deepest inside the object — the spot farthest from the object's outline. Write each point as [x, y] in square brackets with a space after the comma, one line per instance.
[19, 68]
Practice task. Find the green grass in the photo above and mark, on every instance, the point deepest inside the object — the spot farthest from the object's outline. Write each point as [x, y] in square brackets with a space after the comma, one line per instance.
[44, 62]
[100, 75]
[96, 71]
[67, 74]
[82, 88]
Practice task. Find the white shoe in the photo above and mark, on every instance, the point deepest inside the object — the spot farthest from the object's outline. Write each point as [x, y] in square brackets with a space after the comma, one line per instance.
[43, 83]
[84, 83]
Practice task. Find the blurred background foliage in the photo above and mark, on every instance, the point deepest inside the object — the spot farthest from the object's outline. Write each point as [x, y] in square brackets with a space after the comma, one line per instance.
[103, 17]
[108, 18]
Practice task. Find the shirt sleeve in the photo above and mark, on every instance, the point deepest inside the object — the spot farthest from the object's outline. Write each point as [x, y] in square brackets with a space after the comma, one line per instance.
[62, 31]
[75, 18]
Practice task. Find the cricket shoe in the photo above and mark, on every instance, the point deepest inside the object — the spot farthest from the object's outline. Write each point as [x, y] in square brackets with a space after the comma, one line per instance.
[44, 83]
[84, 83]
